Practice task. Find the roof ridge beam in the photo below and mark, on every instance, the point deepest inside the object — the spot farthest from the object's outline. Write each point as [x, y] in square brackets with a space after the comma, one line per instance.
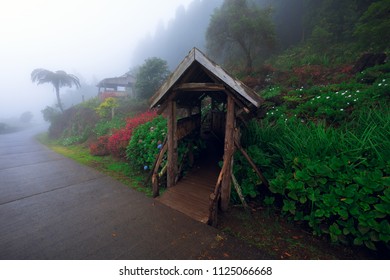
[199, 87]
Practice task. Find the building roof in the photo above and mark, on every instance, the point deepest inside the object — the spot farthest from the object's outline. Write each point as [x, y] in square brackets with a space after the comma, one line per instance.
[124, 81]
[197, 75]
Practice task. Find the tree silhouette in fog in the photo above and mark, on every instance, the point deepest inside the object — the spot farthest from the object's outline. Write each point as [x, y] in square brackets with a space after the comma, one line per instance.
[58, 79]
[151, 76]
[240, 29]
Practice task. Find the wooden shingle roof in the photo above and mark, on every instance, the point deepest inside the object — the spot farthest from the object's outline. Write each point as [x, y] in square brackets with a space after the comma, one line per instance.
[197, 74]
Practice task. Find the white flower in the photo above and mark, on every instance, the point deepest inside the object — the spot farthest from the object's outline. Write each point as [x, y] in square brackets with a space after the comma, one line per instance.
[327, 97]
[349, 96]
[379, 84]
[342, 93]
[318, 97]
[358, 91]
[341, 109]
[384, 80]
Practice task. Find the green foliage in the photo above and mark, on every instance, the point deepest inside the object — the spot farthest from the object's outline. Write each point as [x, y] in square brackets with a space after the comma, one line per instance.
[71, 140]
[147, 140]
[379, 73]
[334, 103]
[150, 77]
[374, 26]
[107, 107]
[104, 127]
[50, 114]
[271, 92]
[144, 143]
[90, 103]
[240, 29]
[335, 178]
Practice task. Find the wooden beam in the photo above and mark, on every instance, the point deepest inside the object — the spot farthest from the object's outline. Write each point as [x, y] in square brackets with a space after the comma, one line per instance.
[239, 193]
[258, 172]
[199, 87]
[228, 153]
[214, 197]
[172, 144]
[180, 70]
[164, 105]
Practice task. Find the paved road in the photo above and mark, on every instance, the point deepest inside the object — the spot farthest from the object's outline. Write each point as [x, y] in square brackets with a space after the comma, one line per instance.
[54, 208]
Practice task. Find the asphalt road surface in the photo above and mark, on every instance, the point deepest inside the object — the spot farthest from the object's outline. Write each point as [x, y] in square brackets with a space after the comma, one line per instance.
[54, 208]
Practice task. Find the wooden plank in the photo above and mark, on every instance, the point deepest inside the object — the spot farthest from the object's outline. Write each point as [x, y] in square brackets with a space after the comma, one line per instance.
[191, 194]
[172, 144]
[186, 125]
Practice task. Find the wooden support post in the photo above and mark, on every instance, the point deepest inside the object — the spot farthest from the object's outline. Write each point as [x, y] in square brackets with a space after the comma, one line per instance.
[172, 144]
[228, 153]
[155, 185]
[157, 163]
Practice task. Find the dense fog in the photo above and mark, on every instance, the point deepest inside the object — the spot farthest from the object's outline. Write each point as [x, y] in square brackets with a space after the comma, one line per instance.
[90, 39]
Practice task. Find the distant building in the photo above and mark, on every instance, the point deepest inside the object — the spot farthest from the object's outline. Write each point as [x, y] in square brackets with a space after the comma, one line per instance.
[122, 86]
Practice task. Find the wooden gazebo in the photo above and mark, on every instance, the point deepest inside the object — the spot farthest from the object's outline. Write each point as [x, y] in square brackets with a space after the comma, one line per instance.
[180, 99]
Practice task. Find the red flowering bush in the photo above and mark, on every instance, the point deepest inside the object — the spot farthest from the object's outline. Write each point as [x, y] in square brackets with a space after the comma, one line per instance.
[99, 148]
[118, 141]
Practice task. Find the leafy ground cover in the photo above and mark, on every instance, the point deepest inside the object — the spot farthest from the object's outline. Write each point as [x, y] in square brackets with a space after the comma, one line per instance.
[282, 239]
[325, 150]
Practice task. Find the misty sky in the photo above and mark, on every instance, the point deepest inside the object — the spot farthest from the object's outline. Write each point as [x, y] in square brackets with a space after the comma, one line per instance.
[92, 39]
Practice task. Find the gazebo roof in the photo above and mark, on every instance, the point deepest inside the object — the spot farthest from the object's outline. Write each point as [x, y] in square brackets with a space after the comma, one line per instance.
[195, 76]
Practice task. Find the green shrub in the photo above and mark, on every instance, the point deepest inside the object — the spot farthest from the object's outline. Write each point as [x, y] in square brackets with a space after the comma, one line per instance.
[144, 143]
[71, 140]
[107, 107]
[147, 140]
[104, 127]
[335, 179]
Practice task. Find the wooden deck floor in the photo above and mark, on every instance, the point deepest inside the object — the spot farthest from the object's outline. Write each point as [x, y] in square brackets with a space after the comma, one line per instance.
[191, 194]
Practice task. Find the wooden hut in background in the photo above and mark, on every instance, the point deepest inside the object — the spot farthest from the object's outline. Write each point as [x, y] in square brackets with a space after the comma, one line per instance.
[195, 79]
